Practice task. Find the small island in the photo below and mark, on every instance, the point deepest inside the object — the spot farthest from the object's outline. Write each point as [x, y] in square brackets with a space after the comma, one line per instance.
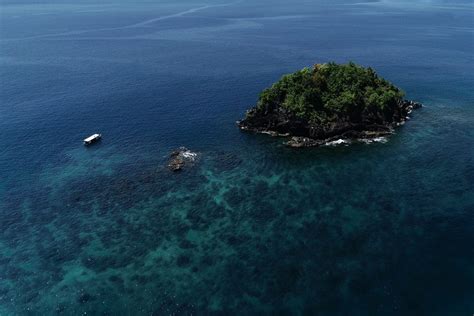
[329, 103]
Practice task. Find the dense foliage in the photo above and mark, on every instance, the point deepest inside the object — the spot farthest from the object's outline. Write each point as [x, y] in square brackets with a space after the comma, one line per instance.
[331, 91]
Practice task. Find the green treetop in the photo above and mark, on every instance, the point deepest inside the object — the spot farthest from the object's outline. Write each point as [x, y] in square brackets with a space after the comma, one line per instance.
[330, 91]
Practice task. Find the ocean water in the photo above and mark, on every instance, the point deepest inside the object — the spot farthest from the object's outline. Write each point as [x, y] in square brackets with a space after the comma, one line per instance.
[252, 227]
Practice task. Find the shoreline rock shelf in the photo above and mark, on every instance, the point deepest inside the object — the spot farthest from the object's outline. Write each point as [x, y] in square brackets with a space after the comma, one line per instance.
[327, 103]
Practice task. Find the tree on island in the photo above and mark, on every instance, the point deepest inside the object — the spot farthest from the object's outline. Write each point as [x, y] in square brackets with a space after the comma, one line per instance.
[327, 100]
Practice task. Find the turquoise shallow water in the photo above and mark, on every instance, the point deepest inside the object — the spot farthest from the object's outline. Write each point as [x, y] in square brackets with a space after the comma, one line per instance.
[253, 227]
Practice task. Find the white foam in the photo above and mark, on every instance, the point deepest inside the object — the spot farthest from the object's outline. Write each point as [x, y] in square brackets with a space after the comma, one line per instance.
[338, 142]
[189, 155]
[381, 139]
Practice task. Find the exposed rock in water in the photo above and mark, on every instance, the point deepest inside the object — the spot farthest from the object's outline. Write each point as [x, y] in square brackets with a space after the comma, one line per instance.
[180, 158]
[327, 103]
[304, 134]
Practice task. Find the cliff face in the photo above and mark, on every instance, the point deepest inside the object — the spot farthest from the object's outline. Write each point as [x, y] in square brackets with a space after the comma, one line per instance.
[328, 102]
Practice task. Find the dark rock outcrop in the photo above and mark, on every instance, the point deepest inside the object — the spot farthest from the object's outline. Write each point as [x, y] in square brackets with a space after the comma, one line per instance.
[180, 158]
[329, 102]
[305, 134]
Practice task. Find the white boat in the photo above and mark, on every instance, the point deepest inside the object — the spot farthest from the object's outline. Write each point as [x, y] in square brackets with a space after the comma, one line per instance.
[92, 139]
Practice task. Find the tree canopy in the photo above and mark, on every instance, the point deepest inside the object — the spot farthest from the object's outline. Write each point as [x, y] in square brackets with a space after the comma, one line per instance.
[329, 91]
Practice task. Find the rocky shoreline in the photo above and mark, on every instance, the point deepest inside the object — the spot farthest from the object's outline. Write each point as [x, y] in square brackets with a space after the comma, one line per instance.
[303, 134]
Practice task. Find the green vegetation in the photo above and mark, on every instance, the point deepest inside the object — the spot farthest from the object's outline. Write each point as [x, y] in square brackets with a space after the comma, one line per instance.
[329, 92]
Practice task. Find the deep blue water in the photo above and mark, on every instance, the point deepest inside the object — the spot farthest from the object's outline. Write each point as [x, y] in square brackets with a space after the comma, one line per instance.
[253, 227]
